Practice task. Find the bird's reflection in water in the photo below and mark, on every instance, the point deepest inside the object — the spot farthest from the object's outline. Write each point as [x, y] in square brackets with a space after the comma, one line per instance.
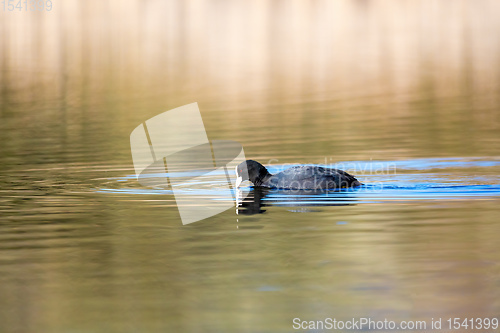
[250, 201]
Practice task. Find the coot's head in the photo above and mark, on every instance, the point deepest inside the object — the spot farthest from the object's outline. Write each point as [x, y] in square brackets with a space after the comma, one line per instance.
[252, 171]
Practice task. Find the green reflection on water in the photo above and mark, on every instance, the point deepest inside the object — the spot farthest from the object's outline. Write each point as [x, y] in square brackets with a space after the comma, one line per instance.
[294, 83]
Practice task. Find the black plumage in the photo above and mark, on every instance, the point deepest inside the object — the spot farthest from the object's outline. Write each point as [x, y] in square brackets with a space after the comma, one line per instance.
[296, 178]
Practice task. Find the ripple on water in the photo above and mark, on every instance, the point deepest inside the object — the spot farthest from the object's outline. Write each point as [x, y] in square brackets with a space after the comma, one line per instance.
[415, 179]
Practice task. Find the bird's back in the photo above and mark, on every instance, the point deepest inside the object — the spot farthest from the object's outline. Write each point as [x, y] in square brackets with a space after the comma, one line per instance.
[311, 177]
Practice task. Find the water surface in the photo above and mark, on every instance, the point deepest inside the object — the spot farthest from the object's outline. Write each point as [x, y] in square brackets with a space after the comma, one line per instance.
[405, 96]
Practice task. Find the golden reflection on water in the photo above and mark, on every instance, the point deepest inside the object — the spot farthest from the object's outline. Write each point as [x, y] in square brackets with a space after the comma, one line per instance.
[293, 81]
[395, 78]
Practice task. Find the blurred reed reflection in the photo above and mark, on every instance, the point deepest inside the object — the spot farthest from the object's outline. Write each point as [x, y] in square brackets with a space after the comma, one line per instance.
[293, 81]
[424, 75]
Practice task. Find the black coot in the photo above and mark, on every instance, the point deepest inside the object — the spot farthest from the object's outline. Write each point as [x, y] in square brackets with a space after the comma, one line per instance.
[295, 178]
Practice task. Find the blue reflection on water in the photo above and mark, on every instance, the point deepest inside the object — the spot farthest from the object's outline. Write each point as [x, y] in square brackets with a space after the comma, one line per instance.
[437, 178]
